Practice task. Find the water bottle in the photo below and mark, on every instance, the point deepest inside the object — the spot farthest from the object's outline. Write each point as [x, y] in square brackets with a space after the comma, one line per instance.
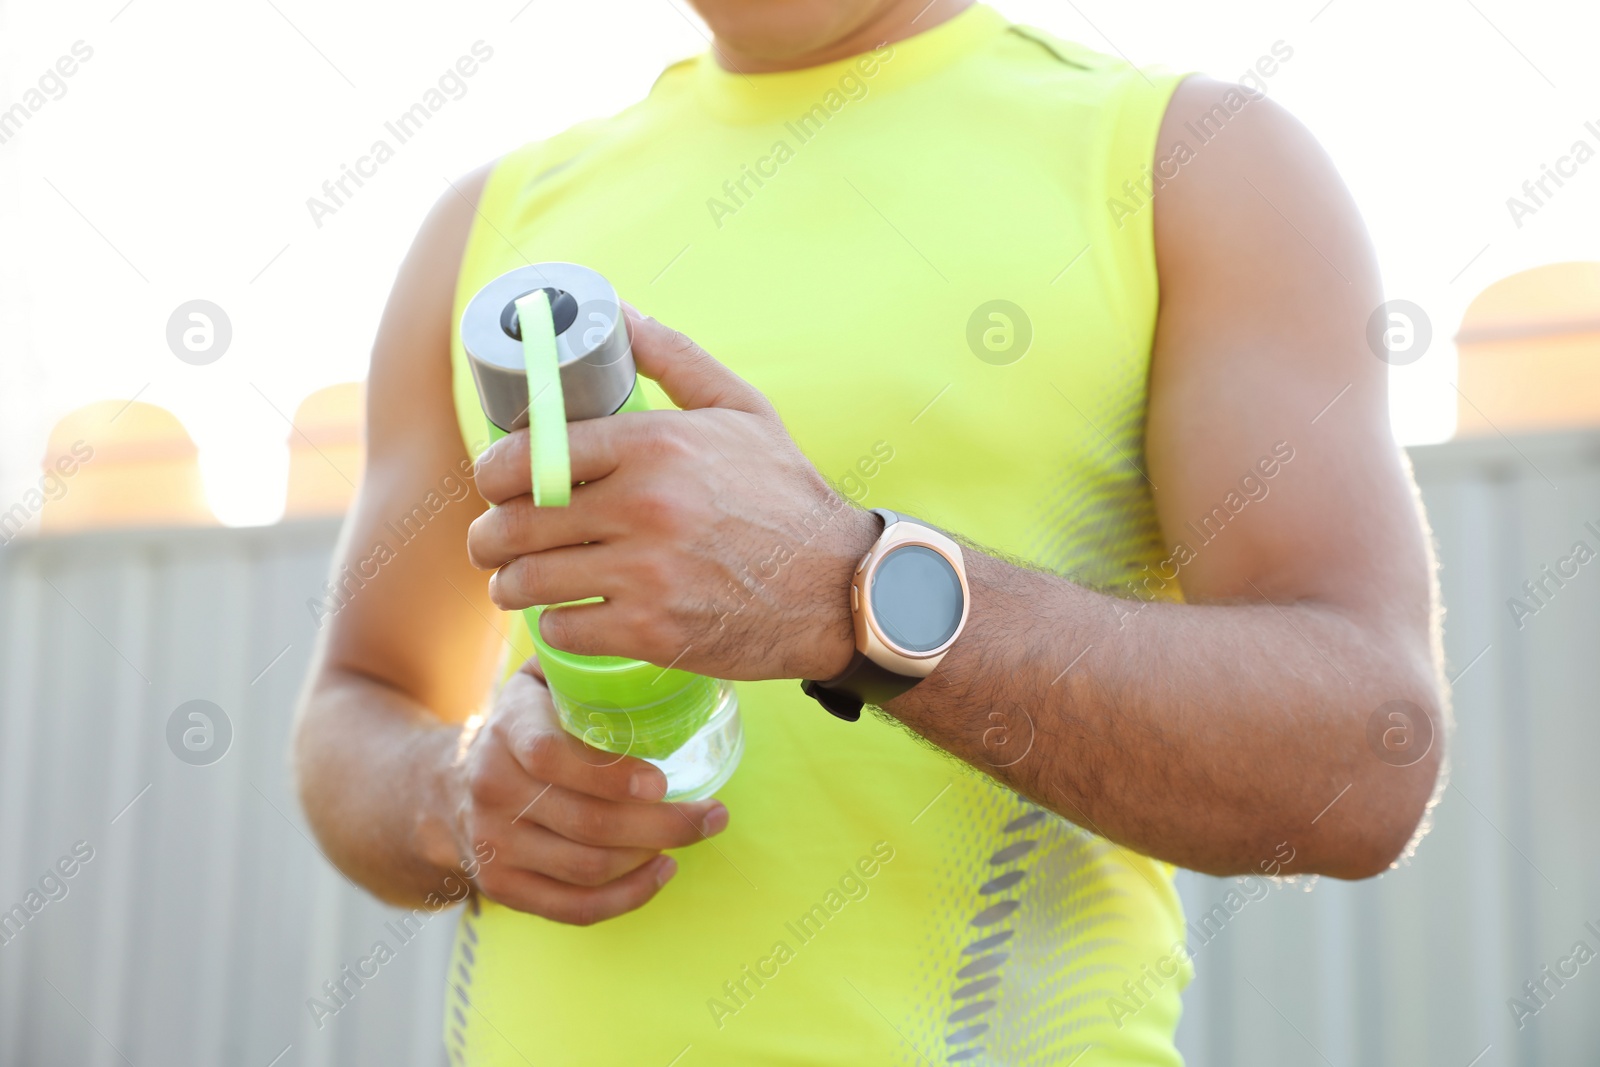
[576, 356]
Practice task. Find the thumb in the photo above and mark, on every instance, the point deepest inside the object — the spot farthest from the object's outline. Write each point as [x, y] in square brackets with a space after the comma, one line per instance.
[687, 373]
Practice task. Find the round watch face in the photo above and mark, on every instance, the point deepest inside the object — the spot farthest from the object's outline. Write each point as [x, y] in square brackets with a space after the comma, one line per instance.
[916, 598]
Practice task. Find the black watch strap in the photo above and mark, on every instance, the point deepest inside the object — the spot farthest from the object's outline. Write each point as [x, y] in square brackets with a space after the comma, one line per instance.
[861, 683]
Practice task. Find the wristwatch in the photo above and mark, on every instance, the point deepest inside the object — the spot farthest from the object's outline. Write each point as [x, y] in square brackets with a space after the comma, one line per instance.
[909, 602]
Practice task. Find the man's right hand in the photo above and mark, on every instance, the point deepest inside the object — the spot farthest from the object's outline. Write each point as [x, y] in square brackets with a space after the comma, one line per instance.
[576, 833]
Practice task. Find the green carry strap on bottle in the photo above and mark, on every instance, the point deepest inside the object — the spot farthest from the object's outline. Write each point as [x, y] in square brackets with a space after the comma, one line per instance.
[548, 344]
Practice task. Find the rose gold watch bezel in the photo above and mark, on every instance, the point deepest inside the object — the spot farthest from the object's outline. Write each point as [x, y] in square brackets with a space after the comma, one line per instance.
[870, 640]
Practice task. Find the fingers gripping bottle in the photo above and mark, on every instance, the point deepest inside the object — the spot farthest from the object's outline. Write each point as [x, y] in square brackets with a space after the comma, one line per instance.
[548, 344]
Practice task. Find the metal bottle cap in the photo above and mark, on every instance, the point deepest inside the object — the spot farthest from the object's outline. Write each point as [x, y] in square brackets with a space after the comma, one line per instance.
[592, 346]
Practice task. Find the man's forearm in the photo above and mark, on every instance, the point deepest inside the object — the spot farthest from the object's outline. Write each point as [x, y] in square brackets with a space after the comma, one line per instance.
[1204, 735]
[370, 764]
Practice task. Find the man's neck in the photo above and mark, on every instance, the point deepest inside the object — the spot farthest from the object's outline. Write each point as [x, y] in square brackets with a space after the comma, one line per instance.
[892, 23]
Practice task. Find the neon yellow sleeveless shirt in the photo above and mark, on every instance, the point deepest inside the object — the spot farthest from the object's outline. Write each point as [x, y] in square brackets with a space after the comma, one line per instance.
[911, 254]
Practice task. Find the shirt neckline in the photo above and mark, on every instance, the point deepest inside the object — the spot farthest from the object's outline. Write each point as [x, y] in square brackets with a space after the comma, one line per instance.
[737, 97]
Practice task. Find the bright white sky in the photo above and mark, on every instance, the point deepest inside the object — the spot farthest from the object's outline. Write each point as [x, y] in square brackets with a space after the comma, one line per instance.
[182, 154]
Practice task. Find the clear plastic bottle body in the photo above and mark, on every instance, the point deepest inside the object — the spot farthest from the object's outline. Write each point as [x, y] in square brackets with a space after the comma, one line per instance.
[696, 765]
[708, 759]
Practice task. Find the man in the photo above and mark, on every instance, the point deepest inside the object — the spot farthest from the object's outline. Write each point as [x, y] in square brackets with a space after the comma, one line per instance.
[929, 242]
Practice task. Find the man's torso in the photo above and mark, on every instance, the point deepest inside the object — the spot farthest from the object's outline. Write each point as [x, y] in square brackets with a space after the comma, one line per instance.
[917, 264]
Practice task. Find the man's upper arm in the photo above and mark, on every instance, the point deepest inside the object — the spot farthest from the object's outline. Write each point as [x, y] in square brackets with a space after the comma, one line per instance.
[1267, 282]
[422, 622]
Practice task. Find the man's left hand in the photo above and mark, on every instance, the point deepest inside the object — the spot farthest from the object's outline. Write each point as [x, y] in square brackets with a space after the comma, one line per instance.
[715, 545]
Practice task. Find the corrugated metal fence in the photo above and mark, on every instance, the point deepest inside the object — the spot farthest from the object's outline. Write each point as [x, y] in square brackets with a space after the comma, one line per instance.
[204, 918]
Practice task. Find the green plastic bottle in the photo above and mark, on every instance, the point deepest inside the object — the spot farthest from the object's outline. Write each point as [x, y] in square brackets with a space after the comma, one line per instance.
[577, 358]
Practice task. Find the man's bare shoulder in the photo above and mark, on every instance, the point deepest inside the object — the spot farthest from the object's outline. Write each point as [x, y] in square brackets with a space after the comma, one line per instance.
[411, 353]
[1268, 280]
[1238, 173]
[444, 232]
